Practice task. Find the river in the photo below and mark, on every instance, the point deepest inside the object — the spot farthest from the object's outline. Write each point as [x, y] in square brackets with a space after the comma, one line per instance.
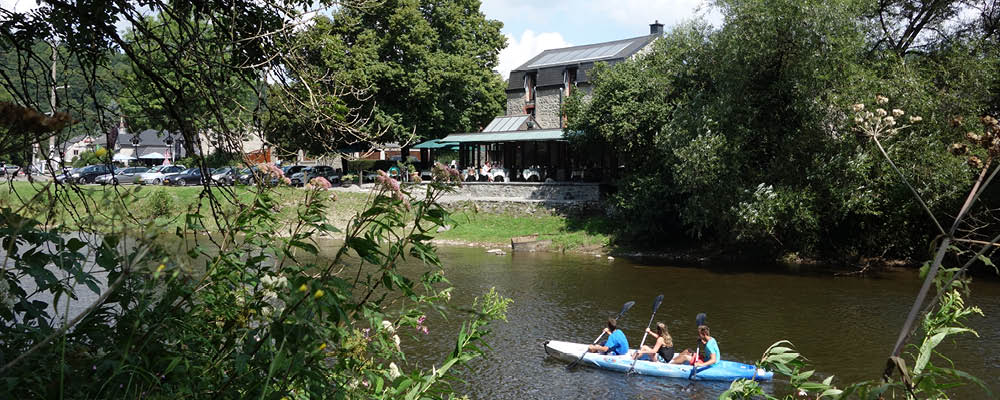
[846, 326]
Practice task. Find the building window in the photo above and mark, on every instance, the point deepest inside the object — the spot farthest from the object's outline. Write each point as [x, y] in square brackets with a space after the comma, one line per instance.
[76, 152]
[529, 87]
[569, 81]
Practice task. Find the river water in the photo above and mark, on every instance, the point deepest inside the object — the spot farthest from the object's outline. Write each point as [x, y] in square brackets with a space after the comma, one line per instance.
[845, 326]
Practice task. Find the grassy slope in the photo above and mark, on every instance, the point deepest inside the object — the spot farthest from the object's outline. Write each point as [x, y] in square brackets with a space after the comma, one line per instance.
[493, 228]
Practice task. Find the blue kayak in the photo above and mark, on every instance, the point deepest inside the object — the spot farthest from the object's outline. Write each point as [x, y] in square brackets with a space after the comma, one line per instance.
[720, 371]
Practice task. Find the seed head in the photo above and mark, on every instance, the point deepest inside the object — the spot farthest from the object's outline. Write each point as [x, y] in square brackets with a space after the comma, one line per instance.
[881, 112]
[858, 107]
[881, 99]
[915, 118]
[897, 112]
[958, 149]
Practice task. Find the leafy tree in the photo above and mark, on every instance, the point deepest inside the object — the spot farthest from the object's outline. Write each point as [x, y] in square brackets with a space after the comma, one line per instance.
[425, 67]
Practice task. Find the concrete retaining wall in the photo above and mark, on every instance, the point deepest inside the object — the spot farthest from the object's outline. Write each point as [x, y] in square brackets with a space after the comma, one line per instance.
[567, 192]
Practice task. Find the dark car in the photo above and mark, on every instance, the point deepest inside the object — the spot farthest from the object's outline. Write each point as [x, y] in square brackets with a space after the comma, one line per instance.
[292, 169]
[89, 173]
[324, 171]
[191, 176]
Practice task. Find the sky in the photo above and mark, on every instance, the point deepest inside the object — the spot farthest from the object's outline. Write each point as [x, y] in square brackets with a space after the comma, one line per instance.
[532, 26]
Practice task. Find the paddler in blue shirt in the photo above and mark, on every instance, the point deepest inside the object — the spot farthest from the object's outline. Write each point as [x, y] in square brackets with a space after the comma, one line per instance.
[711, 355]
[616, 345]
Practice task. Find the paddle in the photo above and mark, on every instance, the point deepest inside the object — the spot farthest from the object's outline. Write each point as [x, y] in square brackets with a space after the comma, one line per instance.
[625, 308]
[656, 306]
[699, 320]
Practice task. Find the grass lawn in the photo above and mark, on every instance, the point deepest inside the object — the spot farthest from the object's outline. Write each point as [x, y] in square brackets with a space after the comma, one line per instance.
[169, 205]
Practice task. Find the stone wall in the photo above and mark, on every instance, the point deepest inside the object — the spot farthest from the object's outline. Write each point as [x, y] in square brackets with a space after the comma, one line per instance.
[547, 104]
[515, 103]
[542, 192]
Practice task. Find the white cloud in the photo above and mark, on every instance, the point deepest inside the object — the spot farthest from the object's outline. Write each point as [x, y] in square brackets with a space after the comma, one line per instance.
[530, 44]
[18, 6]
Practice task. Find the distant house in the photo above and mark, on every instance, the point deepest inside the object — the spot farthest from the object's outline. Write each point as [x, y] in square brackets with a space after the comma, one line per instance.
[77, 145]
[529, 142]
[540, 86]
[152, 147]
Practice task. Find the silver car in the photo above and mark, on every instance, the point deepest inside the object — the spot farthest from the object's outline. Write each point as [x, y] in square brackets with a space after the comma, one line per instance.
[125, 175]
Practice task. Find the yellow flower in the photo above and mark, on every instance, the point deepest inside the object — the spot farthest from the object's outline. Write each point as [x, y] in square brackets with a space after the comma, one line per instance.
[303, 288]
[322, 346]
[161, 268]
[319, 293]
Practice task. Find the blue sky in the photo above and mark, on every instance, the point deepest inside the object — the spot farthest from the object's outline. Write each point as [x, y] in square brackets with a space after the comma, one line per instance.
[532, 26]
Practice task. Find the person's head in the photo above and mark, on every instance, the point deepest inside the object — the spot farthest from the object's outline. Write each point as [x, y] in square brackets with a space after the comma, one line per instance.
[703, 333]
[661, 329]
[612, 324]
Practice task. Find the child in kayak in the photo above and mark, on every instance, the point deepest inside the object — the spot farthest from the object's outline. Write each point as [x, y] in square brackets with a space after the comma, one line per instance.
[711, 355]
[616, 345]
[663, 349]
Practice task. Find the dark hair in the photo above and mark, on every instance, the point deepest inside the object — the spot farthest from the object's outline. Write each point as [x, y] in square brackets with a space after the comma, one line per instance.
[703, 329]
[612, 324]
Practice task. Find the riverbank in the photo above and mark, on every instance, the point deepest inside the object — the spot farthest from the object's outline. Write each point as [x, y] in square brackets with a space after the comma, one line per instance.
[487, 225]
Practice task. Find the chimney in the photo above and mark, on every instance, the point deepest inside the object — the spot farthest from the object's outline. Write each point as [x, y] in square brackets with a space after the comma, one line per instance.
[656, 28]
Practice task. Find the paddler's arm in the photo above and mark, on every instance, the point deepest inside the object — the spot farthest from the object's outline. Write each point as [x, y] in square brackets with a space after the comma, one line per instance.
[653, 334]
[713, 360]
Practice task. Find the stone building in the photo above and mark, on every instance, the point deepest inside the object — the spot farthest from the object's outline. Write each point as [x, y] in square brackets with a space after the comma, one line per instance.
[539, 86]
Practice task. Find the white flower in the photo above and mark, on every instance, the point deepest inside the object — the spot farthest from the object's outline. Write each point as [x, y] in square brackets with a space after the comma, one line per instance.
[859, 120]
[388, 326]
[394, 371]
[890, 121]
[395, 339]
[881, 112]
[858, 107]
[897, 112]
[915, 118]
[881, 99]
[270, 295]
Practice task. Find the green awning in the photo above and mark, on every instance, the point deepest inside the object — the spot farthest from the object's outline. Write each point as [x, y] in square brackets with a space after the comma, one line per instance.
[435, 144]
[514, 136]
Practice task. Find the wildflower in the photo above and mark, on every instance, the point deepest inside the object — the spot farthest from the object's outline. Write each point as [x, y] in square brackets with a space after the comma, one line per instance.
[974, 137]
[425, 330]
[881, 112]
[858, 107]
[395, 339]
[388, 326]
[322, 346]
[421, 320]
[915, 118]
[161, 268]
[958, 149]
[859, 120]
[897, 112]
[269, 295]
[365, 332]
[319, 293]
[975, 162]
[394, 371]
[881, 99]
[320, 182]
[889, 121]
[303, 288]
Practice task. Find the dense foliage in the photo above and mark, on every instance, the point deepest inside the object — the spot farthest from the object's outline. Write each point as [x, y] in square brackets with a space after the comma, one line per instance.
[425, 68]
[740, 135]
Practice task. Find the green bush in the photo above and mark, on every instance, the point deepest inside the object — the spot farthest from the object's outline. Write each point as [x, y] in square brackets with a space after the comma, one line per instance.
[159, 203]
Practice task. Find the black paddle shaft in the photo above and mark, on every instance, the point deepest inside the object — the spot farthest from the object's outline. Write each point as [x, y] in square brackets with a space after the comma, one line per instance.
[625, 308]
[699, 320]
[656, 306]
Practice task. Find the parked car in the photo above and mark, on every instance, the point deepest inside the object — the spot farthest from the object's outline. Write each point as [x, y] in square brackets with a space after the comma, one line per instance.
[155, 175]
[67, 173]
[10, 170]
[325, 171]
[124, 175]
[87, 174]
[191, 176]
[290, 170]
[225, 175]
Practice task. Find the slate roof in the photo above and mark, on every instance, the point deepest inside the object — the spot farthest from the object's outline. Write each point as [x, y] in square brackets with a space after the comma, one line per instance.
[148, 137]
[549, 64]
[515, 136]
